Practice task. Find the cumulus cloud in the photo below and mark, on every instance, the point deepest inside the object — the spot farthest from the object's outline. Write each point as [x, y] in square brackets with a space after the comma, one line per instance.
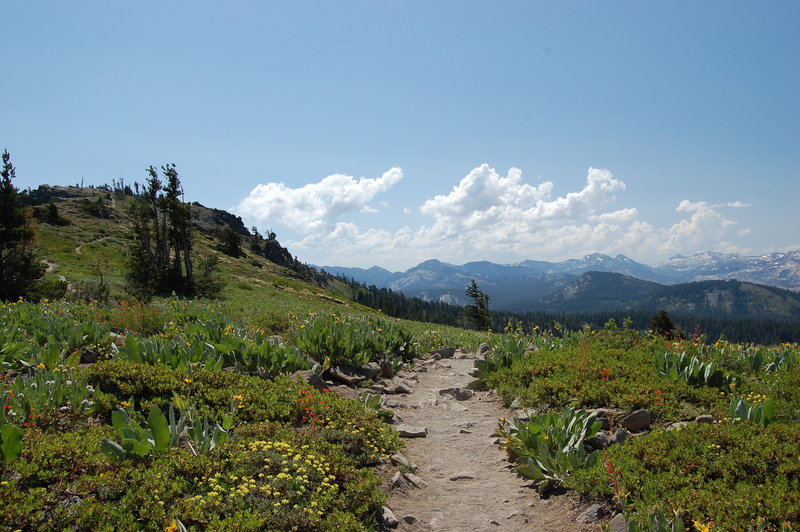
[486, 216]
[315, 208]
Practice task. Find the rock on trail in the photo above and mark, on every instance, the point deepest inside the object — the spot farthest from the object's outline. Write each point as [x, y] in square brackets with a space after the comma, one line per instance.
[462, 481]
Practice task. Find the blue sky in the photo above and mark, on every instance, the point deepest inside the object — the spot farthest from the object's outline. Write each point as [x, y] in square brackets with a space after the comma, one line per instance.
[387, 133]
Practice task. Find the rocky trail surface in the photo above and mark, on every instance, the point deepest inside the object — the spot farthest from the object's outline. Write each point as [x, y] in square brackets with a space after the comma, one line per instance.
[458, 478]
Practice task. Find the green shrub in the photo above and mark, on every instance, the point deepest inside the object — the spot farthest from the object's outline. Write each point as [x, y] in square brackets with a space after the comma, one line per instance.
[730, 474]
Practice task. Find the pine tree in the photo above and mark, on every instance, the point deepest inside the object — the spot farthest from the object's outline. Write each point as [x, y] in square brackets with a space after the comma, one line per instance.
[478, 314]
[19, 267]
[159, 260]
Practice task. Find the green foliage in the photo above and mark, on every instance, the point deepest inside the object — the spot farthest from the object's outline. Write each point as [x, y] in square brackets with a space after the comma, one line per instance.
[550, 447]
[158, 437]
[689, 369]
[159, 260]
[730, 474]
[173, 352]
[332, 340]
[741, 410]
[662, 324]
[478, 314]
[28, 397]
[510, 349]
[10, 441]
[19, 265]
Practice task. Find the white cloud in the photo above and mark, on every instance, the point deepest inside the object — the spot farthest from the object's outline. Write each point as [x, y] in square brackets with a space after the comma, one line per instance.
[738, 204]
[316, 207]
[486, 216]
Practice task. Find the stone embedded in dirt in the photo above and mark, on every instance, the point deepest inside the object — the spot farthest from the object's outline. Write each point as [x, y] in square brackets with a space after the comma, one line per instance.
[370, 370]
[410, 519]
[444, 352]
[620, 436]
[638, 420]
[592, 514]
[618, 524]
[402, 387]
[414, 479]
[402, 460]
[387, 370]
[409, 431]
[392, 403]
[705, 418]
[398, 480]
[389, 520]
[464, 475]
[459, 394]
[462, 356]
[599, 441]
[677, 425]
[345, 374]
[464, 431]
[314, 379]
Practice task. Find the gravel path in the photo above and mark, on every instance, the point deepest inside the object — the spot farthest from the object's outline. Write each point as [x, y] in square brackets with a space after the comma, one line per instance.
[466, 484]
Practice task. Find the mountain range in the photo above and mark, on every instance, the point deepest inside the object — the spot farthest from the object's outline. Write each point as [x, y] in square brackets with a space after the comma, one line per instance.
[718, 284]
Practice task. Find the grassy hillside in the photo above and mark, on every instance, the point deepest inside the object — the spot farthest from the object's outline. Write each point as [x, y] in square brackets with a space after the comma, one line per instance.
[179, 414]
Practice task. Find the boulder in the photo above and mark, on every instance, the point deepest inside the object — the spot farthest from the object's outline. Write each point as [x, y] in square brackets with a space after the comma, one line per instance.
[620, 436]
[638, 420]
[599, 441]
[370, 371]
[346, 375]
[444, 352]
[314, 379]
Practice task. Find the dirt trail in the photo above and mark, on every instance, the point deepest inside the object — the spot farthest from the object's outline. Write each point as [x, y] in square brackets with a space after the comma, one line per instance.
[460, 440]
[79, 247]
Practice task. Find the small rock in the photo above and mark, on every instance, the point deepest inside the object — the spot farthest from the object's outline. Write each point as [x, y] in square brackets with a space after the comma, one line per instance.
[314, 379]
[493, 522]
[618, 524]
[409, 431]
[483, 349]
[401, 460]
[402, 387]
[592, 514]
[392, 403]
[515, 405]
[346, 375]
[464, 431]
[599, 441]
[620, 436]
[459, 394]
[705, 418]
[410, 519]
[464, 475]
[398, 480]
[414, 479]
[389, 520]
[445, 352]
[387, 370]
[370, 370]
[461, 356]
[677, 425]
[638, 420]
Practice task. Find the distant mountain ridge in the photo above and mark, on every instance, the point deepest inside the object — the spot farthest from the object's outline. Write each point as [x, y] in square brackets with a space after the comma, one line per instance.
[543, 285]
